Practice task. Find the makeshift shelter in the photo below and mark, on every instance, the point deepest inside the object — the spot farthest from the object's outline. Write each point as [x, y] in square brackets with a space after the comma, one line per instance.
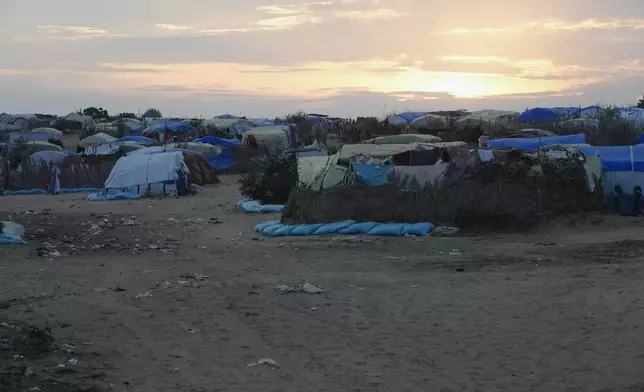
[541, 115]
[532, 144]
[231, 126]
[430, 122]
[224, 159]
[403, 138]
[174, 127]
[273, 139]
[620, 165]
[401, 120]
[52, 133]
[47, 157]
[146, 141]
[96, 140]
[149, 175]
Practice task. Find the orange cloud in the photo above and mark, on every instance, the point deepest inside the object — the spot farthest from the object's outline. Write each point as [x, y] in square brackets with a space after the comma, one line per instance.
[548, 26]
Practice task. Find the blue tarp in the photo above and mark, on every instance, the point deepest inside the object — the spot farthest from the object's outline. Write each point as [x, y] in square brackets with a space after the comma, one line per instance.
[11, 233]
[539, 115]
[222, 161]
[172, 126]
[277, 229]
[255, 207]
[531, 144]
[218, 141]
[411, 116]
[138, 139]
[323, 121]
[372, 174]
[116, 196]
[618, 158]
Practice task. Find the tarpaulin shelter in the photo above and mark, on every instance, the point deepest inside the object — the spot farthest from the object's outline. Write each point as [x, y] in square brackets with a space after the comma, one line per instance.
[531, 144]
[224, 159]
[97, 139]
[539, 115]
[146, 141]
[168, 125]
[149, 174]
[53, 133]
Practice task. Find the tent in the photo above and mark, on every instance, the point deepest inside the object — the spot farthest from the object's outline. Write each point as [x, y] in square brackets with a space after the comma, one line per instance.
[47, 157]
[149, 175]
[96, 140]
[224, 159]
[169, 125]
[403, 119]
[430, 122]
[403, 138]
[146, 141]
[54, 134]
[274, 139]
[539, 115]
[531, 144]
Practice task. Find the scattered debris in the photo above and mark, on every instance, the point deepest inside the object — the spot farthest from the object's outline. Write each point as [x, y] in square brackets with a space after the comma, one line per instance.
[444, 231]
[265, 361]
[305, 288]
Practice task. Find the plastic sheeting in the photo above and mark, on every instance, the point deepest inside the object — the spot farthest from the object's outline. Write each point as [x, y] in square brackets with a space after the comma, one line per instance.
[430, 122]
[154, 174]
[256, 207]
[47, 156]
[11, 233]
[218, 141]
[52, 133]
[168, 125]
[539, 115]
[403, 139]
[96, 140]
[146, 141]
[277, 229]
[275, 139]
[116, 196]
[618, 158]
[530, 144]
[372, 174]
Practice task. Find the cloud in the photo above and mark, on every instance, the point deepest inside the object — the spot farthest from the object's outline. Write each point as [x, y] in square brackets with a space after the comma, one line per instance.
[290, 16]
[173, 27]
[552, 25]
[371, 15]
[76, 32]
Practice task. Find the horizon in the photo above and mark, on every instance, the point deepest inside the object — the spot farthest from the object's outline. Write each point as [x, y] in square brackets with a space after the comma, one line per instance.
[344, 58]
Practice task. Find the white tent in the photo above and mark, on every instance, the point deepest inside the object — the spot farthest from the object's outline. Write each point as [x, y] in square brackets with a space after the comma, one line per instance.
[149, 174]
[53, 133]
[275, 139]
[96, 140]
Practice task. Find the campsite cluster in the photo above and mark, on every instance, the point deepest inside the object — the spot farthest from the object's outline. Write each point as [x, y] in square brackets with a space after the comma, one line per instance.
[188, 293]
[550, 152]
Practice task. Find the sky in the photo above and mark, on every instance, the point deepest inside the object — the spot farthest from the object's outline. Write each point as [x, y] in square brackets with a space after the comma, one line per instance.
[340, 57]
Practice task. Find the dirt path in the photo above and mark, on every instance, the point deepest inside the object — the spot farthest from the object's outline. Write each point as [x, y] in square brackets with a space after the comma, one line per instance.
[157, 295]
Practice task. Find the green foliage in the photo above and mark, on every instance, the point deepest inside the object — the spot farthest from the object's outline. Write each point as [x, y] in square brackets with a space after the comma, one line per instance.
[126, 115]
[96, 113]
[271, 179]
[152, 112]
[640, 104]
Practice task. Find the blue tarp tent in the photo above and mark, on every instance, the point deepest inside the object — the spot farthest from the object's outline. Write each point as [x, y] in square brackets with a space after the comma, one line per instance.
[168, 125]
[146, 141]
[539, 115]
[323, 121]
[531, 144]
[225, 159]
[618, 158]
[218, 141]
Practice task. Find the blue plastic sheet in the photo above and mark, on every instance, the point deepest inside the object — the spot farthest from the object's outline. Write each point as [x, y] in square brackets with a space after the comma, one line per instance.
[220, 141]
[277, 229]
[618, 158]
[11, 234]
[531, 144]
[539, 115]
[172, 126]
[138, 139]
[256, 207]
[372, 174]
[116, 196]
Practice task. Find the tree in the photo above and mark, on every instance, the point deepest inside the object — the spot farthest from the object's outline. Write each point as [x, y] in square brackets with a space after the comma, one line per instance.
[640, 104]
[126, 115]
[152, 113]
[96, 113]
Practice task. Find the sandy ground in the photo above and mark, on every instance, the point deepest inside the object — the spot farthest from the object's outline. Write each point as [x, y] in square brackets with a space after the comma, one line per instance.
[179, 294]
